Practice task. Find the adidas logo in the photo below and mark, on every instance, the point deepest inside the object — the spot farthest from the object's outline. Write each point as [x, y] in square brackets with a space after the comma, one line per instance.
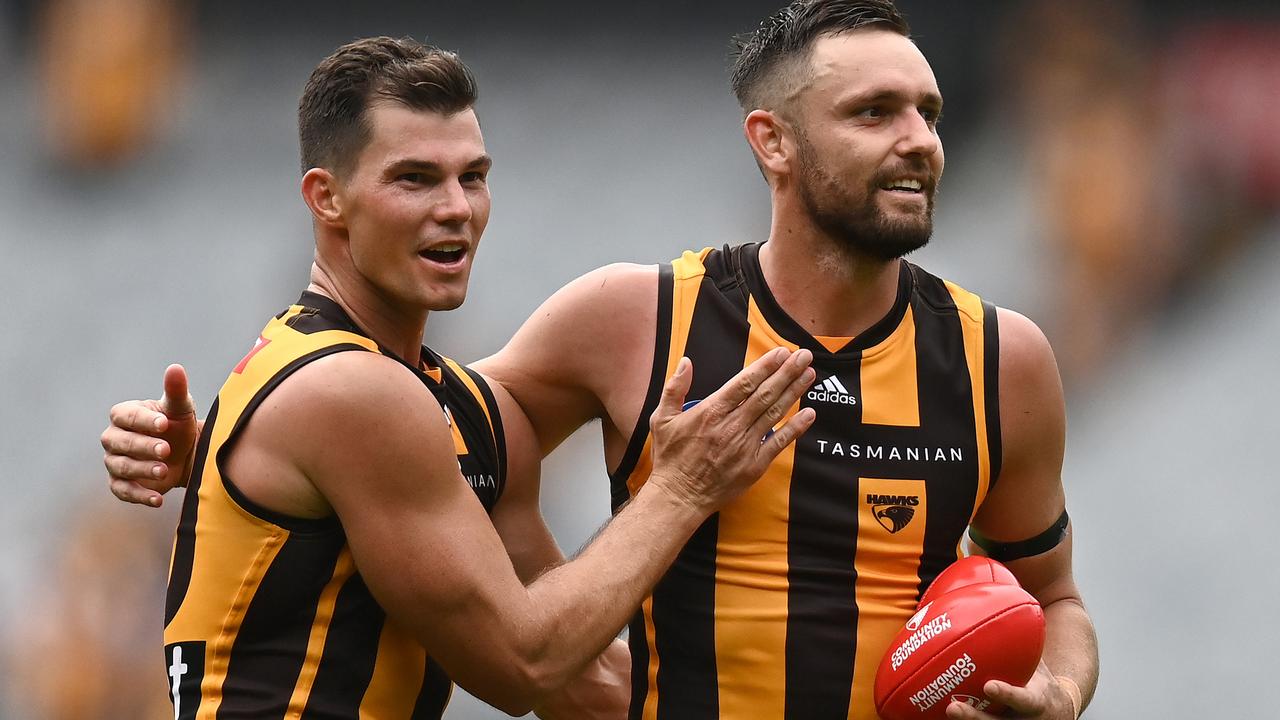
[833, 391]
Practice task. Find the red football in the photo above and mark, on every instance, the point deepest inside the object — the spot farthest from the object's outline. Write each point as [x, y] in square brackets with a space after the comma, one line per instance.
[967, 571]
[953, 645]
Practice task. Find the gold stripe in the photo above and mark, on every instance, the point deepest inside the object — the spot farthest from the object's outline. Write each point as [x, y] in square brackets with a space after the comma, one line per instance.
[474, 390]
[890, 395]
[651, 697]
[971, 320]
[397, 678]
[687, 273]
[751, 575]
[343, 569]
[218, 652]
[885, 592]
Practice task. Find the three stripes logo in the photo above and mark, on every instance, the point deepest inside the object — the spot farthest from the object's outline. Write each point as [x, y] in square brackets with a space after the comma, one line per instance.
[832, 390]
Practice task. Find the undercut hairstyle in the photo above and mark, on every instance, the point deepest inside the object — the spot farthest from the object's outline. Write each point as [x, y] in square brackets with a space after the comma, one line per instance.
[769, 63]
[333, 122]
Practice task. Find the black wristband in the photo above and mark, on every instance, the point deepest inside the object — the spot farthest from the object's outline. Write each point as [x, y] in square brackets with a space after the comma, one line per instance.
[1005, 552]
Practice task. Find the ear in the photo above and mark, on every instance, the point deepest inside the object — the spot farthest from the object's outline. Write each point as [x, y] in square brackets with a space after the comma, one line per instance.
[322, 194]
[769, 137]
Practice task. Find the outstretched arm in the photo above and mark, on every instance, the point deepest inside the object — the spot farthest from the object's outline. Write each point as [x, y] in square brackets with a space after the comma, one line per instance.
[148, 445]
[1026, 502]
[432, 559]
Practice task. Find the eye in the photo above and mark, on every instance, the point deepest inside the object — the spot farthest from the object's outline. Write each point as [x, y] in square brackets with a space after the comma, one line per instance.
[932, 117]
[872, 113]
[475, 177]
[412, 177]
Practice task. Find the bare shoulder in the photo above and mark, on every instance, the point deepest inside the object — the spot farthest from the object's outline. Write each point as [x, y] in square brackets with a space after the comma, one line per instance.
[327, 417]
[607, 295]
[359, 382]
[587, 342]
[1024, 349]
[1027, 496]
[357, 403]
[606, 303]
[629, 277]
[1029, 379]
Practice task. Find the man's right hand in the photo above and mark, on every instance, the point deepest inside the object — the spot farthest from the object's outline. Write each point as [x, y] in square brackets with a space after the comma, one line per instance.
[150, 444]
[707, 455]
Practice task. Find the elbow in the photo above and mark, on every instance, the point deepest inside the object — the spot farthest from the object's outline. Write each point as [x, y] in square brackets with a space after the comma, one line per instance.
[536, 681]
[522, 687]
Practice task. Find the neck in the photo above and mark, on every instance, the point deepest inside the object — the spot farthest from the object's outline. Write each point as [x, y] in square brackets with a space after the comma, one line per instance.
[827, 289]
[394, 328]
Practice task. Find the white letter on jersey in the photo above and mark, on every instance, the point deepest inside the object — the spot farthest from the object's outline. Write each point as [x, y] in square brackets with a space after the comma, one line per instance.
[176, 671]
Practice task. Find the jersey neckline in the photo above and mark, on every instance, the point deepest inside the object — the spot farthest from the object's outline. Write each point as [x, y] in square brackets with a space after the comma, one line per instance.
[789, 329]
[431, 362]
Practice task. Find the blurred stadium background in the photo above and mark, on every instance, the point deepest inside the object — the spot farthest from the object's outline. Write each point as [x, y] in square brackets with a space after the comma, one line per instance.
[1114, 173]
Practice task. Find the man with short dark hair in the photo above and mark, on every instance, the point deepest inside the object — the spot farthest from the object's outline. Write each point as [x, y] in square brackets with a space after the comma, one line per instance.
[335, 558]
[928, 400]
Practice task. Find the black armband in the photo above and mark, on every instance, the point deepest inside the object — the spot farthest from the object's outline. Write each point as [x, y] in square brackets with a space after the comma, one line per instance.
[1006, 552]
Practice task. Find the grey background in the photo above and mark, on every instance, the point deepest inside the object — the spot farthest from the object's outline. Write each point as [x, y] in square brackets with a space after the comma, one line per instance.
[615, 139]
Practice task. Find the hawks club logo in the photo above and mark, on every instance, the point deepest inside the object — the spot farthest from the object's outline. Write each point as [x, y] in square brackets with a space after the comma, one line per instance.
[893, 512]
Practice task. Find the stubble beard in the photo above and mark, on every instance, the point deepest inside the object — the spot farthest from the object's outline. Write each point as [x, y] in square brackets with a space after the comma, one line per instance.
[856, 222]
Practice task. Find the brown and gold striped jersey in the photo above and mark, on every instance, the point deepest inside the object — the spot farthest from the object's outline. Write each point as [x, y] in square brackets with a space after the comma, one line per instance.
[267, 616]
[782, 604]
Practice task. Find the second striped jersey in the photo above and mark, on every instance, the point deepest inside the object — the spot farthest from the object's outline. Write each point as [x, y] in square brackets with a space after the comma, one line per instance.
[782, 604]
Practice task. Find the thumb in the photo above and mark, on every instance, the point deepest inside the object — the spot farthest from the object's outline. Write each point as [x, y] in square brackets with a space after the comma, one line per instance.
[675, 389]
[177, 400]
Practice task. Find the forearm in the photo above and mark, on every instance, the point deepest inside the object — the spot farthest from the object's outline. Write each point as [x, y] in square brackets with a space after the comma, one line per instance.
[1071, 646]
[581, 606]
[601, 692]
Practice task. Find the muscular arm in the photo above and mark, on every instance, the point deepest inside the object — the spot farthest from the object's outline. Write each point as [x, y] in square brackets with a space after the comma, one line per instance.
[602, 690]
[1028, 498]
[361, 431]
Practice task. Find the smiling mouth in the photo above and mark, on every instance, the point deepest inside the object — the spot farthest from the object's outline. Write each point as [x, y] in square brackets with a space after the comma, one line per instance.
[445, 254]
[904, 185]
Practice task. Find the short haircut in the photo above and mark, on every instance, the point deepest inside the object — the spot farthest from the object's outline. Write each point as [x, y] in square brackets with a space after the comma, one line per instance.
[333, 124]
[767, 62]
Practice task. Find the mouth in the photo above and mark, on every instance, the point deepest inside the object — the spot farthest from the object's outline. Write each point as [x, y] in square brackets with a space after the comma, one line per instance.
[904, 186]
[445, 253]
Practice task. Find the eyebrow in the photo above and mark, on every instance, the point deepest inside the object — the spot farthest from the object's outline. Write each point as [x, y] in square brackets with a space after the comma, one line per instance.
[481, 162]
[929, 99]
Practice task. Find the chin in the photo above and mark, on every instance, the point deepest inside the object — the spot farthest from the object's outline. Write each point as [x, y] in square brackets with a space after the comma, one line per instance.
[445, 303]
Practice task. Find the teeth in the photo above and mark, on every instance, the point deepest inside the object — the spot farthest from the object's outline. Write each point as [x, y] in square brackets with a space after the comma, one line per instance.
[447, 247]
[903, 184]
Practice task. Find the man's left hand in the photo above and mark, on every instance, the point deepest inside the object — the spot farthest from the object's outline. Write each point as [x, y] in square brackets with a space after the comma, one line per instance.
[1043, 698]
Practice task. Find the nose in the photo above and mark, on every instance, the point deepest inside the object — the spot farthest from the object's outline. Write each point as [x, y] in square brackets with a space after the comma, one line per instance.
[451, 205]
[918, 138]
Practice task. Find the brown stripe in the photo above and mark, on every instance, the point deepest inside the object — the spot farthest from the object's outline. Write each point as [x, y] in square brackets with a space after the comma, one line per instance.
[268, 651]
